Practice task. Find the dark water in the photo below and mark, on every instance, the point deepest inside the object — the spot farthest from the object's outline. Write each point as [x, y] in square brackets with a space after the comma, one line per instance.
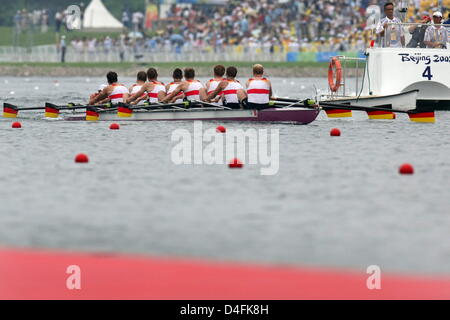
[336, 202]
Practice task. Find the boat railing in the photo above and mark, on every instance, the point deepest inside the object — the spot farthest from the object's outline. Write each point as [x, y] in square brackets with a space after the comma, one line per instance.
[382, 40]
[358, 63]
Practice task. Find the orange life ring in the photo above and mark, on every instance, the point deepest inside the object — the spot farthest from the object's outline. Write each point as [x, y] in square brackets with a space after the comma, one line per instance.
[335, 64]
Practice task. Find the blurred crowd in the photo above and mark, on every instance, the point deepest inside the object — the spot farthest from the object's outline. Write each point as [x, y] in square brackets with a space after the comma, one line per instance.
[295, 25]
[264, 25]
[37, 20]
[41, 20]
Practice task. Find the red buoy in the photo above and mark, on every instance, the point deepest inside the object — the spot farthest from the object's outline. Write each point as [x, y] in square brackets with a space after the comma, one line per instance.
[335, 132]
[81, 158]
[17, 125]
[221, 129]
[114, 126]
[235, 163]
[406, 169]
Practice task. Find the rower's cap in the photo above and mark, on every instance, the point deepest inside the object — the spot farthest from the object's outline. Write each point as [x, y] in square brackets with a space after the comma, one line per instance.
[437, 14]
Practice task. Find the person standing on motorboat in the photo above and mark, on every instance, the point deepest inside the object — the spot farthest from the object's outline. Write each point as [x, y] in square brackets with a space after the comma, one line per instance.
[418, 33]
[392, 35]
[436, 36]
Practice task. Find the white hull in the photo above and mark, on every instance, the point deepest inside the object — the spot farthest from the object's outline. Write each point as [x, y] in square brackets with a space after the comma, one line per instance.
[404, 101]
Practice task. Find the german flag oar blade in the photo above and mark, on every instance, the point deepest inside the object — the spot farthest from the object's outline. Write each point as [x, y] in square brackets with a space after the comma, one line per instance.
[124, 111]
[338, 113]
[92, 114]
[426, 117]
[381, 115]
[10, 111]
[51, 111]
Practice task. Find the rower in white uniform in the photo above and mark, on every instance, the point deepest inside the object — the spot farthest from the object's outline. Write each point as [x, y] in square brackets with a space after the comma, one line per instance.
[232, 91]
[140, 81]
[212, 84]
[177, 79]
[259, 89]
[193, 89]
[159, 91]
[115, 91]
[156, 90]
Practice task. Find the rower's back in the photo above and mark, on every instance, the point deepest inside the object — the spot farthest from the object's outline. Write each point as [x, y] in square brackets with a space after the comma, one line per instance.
[159, 89]
[258, 89]
[119, 93]
[194, 88]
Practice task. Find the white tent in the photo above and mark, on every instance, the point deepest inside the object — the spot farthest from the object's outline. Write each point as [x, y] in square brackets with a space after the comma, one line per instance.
[96, 16]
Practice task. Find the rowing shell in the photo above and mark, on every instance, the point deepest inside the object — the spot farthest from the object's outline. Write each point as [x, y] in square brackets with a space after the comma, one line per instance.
[292, 115]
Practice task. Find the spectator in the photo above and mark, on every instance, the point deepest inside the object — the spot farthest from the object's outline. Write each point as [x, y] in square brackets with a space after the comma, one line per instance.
[448, 19]
[126, 19]
[58, 21]
[418, 33]
[436, 35]
[62, 46]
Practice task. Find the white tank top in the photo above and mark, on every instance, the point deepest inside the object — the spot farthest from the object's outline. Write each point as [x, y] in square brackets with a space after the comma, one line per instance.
[193, 91]
[172, 87]
[153, 96]
[118, 92]
[258, 91]
[135, 89]
[213, 84]
[230, 92]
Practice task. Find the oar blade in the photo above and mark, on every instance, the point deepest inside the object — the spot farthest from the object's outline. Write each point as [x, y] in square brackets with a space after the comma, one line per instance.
[124, 111]
[381, 115]
[51, 110]
[92, 114]
[338, 113]
[10, 111]
[423, 117]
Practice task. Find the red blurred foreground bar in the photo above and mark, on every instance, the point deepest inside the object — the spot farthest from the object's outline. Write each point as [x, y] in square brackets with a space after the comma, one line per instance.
[27, 274]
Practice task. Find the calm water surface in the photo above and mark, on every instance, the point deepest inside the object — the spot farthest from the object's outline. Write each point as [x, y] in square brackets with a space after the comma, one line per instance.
[336, 202]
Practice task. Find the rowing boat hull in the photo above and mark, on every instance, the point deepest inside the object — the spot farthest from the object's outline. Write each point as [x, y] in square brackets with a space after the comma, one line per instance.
[292, 115]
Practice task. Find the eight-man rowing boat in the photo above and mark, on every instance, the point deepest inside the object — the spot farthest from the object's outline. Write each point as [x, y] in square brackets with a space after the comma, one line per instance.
[291, 115]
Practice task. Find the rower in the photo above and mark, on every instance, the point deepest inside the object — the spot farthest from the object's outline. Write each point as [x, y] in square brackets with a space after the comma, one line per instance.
[115, 91]
[259, 89]
[159, 91]
[140, 81]
[177, 79]
[155, 89]
[100, 89]
[232, 90]
[193, 89]
[212, 84]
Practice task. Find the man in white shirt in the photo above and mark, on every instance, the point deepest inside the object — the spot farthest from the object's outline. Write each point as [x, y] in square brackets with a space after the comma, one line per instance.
[436, 35]
[393, 36]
